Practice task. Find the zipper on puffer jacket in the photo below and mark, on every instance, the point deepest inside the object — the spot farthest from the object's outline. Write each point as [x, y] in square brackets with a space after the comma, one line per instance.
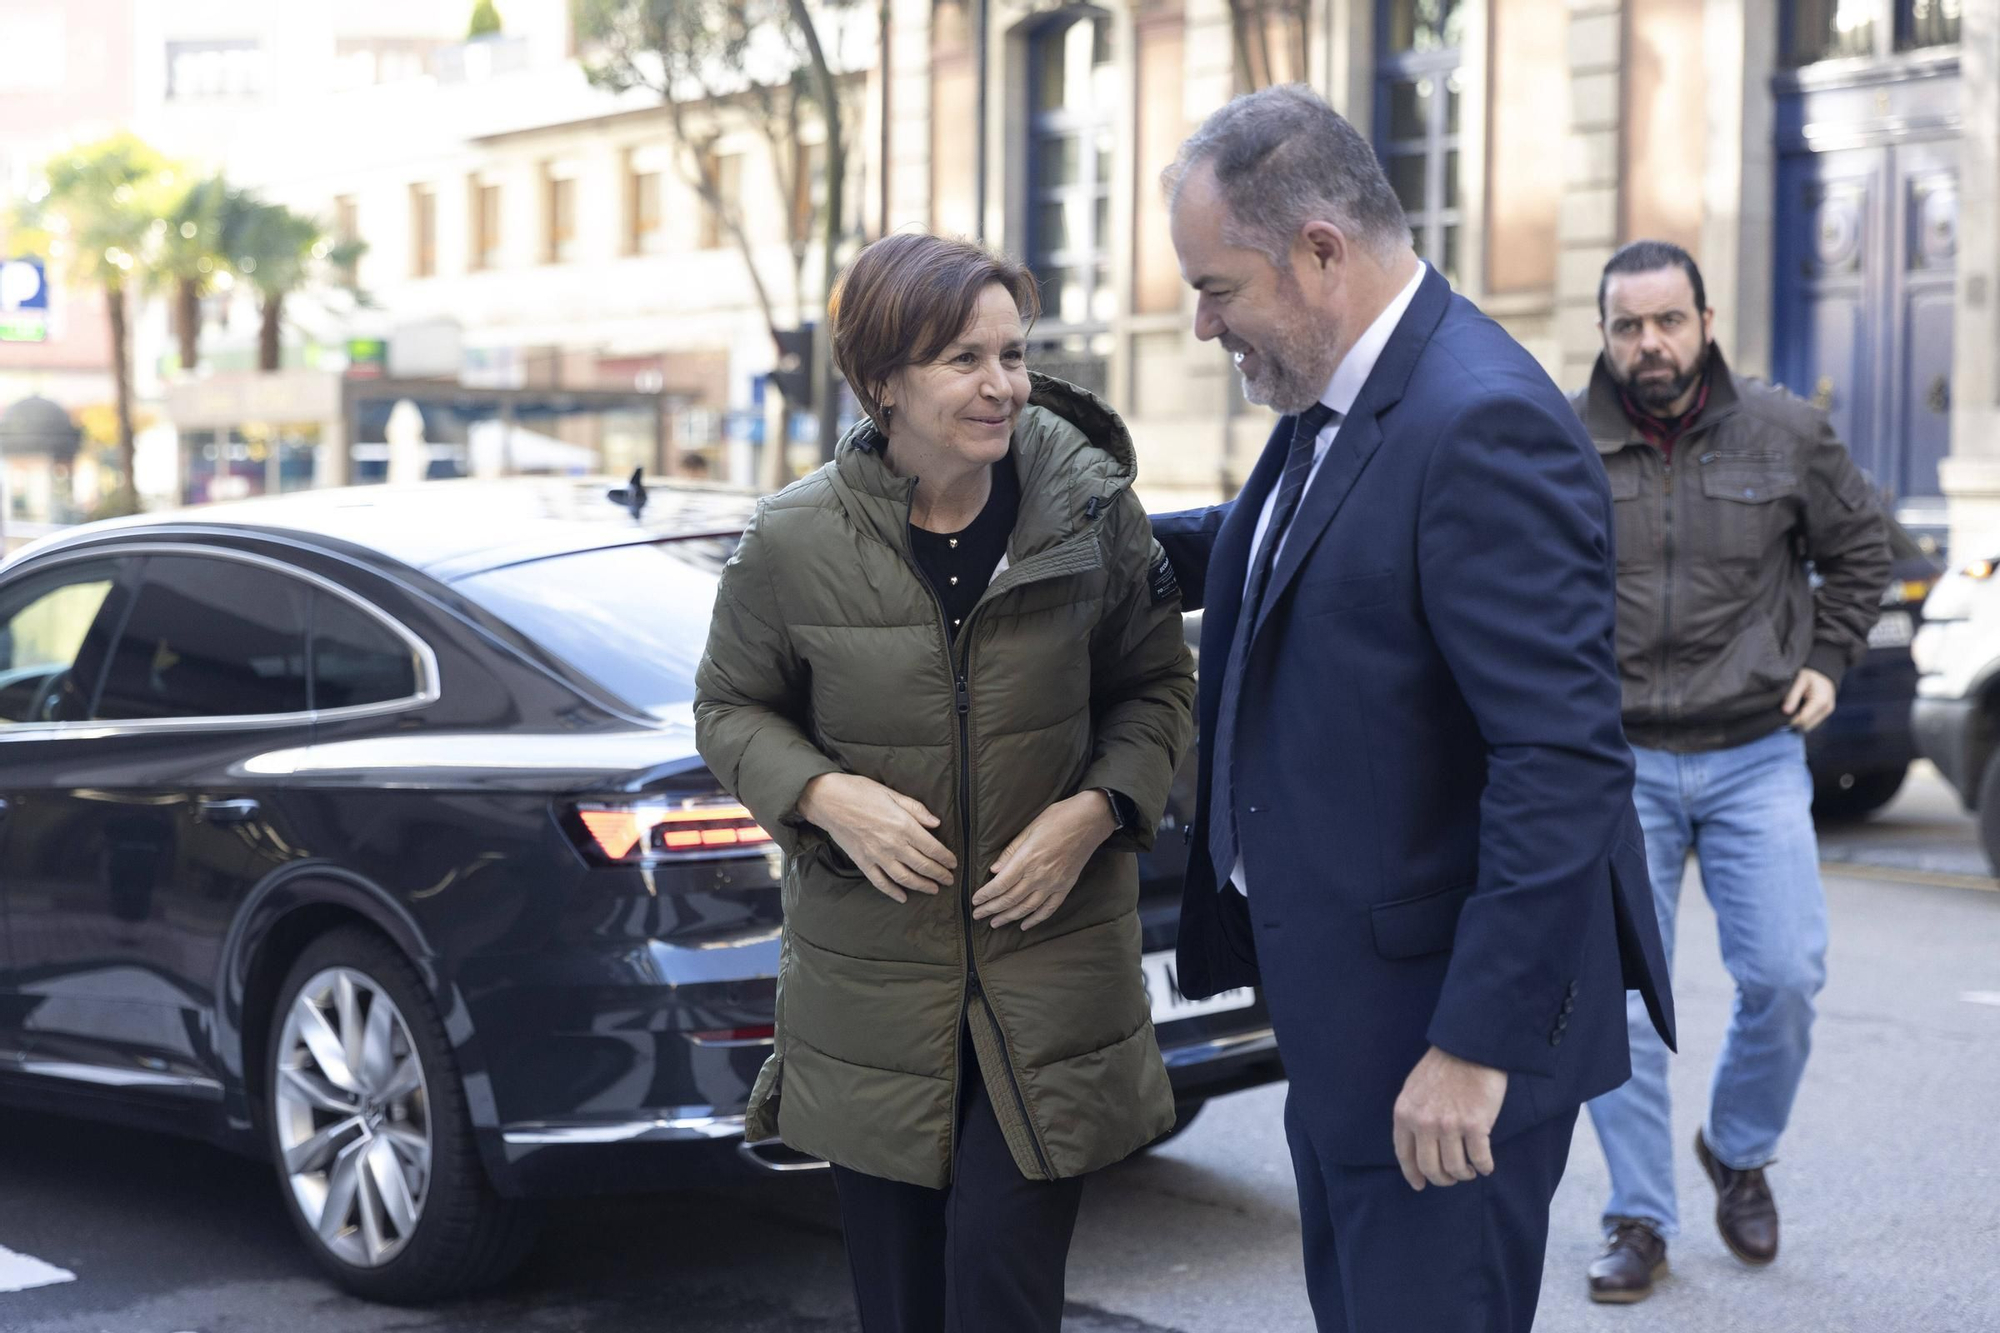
[962, 698]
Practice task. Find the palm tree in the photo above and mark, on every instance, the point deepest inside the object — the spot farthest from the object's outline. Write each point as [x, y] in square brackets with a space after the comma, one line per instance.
[189, 251]
[93, 214]
[278, 252]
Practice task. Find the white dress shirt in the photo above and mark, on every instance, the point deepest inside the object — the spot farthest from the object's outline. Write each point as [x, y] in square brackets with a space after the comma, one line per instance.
[1341, 391]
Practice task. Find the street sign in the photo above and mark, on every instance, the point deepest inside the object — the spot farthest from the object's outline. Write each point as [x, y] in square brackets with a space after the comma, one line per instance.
[24, 301]
[367, 358]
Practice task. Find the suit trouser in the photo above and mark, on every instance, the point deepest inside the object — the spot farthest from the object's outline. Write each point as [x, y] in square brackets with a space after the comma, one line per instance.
[986, 1254]
[1384, 1258]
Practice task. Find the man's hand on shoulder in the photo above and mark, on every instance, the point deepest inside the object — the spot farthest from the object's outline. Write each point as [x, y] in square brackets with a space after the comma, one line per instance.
[1444, 1118]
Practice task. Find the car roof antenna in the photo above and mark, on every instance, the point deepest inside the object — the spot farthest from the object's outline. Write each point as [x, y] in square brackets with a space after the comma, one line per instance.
[632, 495]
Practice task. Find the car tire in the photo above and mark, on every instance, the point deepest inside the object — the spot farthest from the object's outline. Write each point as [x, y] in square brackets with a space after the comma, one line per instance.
[1865, 794]
[1184, 1114]
[385, 1139]
[1989, 811]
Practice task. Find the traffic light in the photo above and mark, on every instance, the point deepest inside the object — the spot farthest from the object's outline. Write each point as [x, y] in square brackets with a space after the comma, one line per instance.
[794, 372]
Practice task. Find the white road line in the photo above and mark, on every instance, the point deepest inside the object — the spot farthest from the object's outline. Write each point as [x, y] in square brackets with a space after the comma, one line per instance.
[1991, 997]
[18, 1272]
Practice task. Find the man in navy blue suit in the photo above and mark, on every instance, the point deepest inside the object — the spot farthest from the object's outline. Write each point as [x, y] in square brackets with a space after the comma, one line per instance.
[1416, 829]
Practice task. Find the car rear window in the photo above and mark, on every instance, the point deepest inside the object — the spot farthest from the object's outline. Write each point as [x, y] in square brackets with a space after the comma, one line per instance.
[633, 618]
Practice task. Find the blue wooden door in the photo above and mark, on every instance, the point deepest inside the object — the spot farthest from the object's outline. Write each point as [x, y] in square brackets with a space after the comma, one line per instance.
[1830, 271]
[1925, 178]
[1866, 246]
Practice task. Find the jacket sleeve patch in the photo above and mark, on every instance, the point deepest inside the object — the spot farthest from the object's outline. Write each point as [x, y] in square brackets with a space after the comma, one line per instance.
[1160, 577]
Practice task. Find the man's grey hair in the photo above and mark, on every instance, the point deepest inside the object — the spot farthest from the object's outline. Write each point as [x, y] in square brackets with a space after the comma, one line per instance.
[1282, 158]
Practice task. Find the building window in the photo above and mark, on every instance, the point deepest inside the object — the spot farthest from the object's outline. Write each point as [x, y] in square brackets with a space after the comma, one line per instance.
[1818, 30]
[1831, 29]
[1070, 132]
[198, 71]
[648, 234]
[423, 231]
[1418, 89]
[561, 213]
[725, 170]
[1921, 23]
[346, 231]
[485, 226]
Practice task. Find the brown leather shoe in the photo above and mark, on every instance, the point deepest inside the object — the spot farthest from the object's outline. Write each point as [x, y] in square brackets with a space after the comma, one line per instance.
[1745, 1212]
[1634, 1258]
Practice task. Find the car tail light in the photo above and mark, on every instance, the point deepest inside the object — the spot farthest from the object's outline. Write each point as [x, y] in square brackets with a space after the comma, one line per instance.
[649, 831]
[760, 1035]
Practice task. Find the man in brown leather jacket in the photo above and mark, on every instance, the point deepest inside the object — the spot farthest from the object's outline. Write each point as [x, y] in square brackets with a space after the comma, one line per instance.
[1730, 648]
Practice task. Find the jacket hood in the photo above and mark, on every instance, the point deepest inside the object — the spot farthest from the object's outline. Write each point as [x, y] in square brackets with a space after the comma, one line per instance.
[1071, 451]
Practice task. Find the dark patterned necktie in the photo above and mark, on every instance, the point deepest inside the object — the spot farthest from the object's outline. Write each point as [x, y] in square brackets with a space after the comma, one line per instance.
[1222, 842]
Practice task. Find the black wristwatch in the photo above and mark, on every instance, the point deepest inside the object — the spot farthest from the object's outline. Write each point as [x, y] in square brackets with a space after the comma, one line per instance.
[1123, 809]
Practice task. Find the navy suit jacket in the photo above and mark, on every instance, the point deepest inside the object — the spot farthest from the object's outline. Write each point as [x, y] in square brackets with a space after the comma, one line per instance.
[1434, 790]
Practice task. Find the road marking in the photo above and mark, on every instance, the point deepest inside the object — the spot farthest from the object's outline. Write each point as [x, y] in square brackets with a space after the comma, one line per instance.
[1897, 875]
[1991, 997]
[18, 1272]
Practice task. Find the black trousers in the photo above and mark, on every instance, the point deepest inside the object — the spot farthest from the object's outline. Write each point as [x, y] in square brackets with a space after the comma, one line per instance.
[986, 1254]
[1384, 1258]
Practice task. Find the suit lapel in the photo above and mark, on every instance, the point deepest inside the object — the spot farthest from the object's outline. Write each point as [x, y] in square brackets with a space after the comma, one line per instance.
[1229, 565]
[1352, 447]
[1360, 435]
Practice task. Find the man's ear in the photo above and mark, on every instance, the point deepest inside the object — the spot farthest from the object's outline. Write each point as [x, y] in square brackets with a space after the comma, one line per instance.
[1324, 244]
[1708, 325]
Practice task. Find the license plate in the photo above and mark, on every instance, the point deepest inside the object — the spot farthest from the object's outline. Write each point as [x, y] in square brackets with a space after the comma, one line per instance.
[1893, 630]
[1170, 1006]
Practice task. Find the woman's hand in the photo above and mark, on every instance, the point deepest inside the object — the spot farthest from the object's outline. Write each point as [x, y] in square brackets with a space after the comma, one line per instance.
[885, 833]
[1039, 868]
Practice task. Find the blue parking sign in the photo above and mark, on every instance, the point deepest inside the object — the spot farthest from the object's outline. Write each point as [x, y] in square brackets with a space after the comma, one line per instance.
[24, 301]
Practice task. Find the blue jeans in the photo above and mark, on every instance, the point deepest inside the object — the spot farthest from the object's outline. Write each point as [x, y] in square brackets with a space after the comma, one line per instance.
[1747, 814]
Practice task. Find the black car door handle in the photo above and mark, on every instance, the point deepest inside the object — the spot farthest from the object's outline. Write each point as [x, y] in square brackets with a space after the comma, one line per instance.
[220, 810]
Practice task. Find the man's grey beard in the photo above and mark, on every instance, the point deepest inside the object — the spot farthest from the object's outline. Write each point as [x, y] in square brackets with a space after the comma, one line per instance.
[1282, 389]
[1293, 377]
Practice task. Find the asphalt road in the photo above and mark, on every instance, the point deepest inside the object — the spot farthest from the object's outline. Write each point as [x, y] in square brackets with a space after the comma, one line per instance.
[1889, 1184]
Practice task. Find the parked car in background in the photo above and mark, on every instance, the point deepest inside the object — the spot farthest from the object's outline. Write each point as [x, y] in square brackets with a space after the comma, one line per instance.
[1860, 756]
[1956, 718]
[364, 831]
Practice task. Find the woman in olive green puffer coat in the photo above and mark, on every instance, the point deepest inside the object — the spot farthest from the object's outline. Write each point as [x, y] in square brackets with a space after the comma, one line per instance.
[1040, 734]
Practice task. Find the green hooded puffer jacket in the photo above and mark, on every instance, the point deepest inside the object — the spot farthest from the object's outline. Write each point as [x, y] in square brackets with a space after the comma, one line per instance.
[828, 653]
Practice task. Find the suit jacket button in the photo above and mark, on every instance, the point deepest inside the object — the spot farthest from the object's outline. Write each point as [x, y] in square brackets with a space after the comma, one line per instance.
[1556, 1038]
[1569, 1005]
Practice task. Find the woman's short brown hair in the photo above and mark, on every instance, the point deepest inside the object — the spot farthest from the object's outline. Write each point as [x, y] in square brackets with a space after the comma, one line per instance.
[904, 298]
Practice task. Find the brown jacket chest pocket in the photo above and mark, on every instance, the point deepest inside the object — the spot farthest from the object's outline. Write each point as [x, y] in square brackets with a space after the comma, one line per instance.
[1749, 503]
[1631, 518]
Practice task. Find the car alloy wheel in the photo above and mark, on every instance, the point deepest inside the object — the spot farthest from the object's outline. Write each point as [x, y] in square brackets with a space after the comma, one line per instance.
[353, 1117]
